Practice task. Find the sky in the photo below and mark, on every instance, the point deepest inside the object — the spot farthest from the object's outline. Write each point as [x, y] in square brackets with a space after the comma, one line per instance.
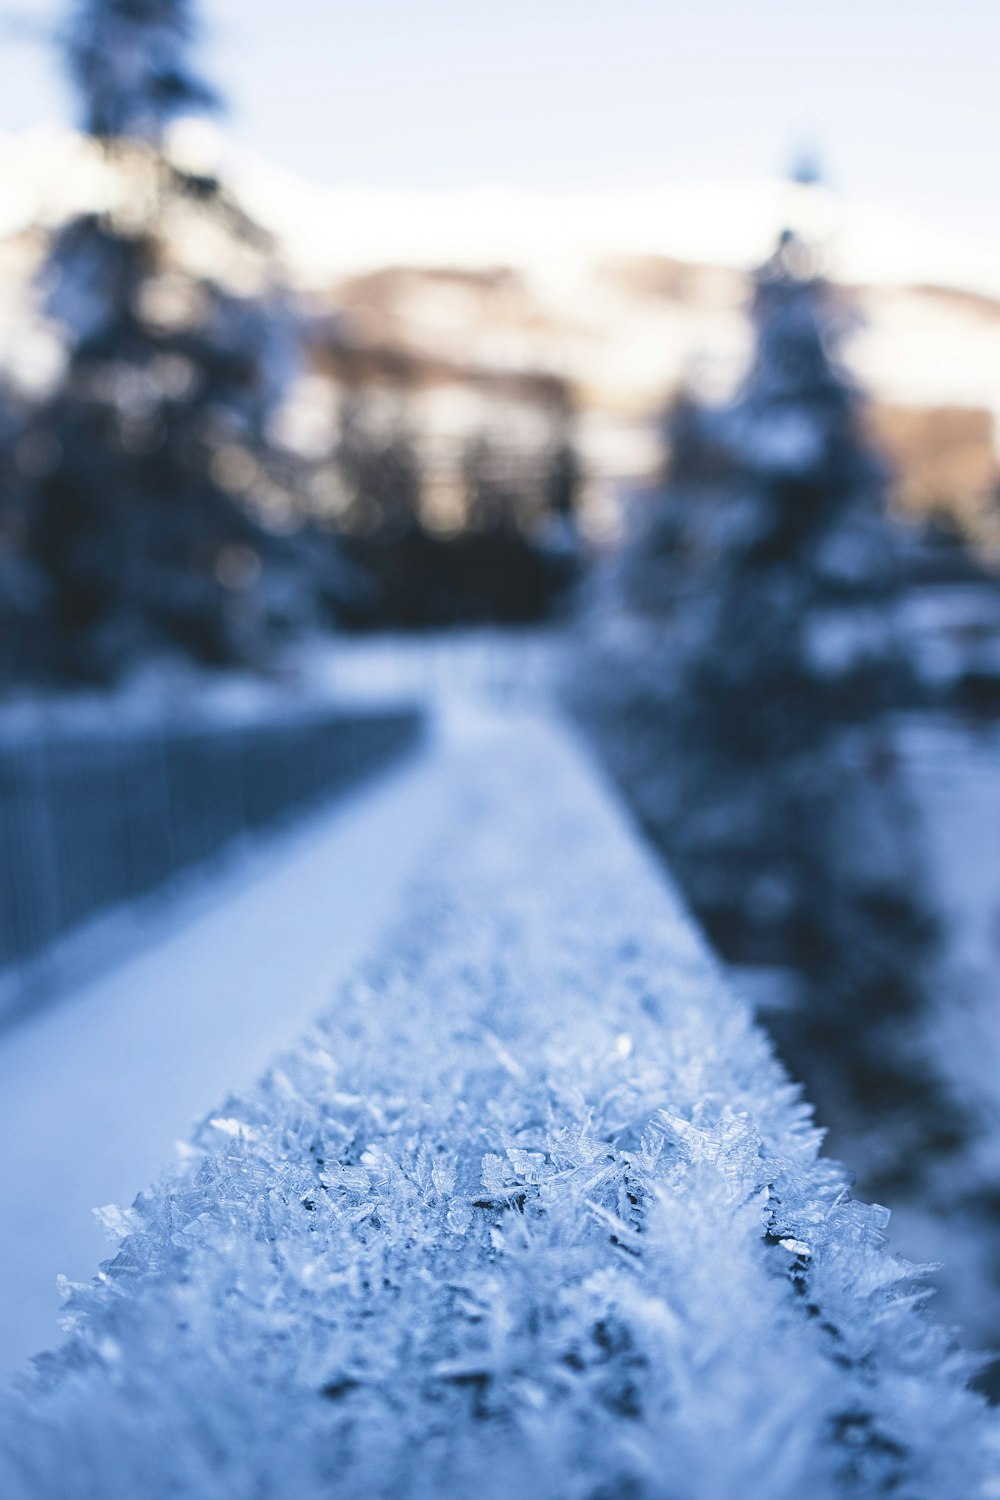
[900, 100]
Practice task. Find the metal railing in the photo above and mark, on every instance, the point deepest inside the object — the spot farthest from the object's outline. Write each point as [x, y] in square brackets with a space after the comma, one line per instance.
[91, 820]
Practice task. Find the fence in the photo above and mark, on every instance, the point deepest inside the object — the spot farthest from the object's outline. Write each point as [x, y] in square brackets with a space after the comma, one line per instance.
[91, 820]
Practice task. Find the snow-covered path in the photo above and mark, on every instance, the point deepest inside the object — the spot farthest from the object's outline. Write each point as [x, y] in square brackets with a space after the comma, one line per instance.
[96, 1089]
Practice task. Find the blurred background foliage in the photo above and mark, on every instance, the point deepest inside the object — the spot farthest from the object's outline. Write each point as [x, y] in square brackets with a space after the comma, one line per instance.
[156, 497]
[778, 667]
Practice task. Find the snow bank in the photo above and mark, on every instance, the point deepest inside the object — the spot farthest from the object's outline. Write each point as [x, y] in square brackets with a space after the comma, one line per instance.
[532, 1212]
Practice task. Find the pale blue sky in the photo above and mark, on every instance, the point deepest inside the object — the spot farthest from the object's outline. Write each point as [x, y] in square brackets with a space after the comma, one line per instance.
[902, 96]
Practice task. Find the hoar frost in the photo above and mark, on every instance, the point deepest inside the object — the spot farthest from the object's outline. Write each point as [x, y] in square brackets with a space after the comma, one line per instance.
[465, 1242]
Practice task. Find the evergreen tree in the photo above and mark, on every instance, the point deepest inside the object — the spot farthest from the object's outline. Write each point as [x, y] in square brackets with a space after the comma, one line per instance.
[746, 663]
[491, 491]
[144, 523]
[380, 471]
[794, 431]
[563, 481]
[499, 560]
[129, 62]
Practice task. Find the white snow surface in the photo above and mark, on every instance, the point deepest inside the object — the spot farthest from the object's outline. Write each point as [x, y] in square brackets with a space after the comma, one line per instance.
[530, 1211]
[153, 1012]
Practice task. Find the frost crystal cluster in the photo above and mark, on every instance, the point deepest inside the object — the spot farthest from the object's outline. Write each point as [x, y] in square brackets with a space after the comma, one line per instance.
[532, 1213]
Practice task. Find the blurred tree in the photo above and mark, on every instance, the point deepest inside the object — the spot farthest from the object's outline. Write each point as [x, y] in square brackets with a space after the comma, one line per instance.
[795, 428]
[25, 593]
[493, 497]
[129, 61]
[495, 563]
[380, 471]
[147, 520]
[563, 481]
[744, 665]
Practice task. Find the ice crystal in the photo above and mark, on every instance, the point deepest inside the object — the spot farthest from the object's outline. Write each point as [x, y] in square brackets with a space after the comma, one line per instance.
[463, 1242]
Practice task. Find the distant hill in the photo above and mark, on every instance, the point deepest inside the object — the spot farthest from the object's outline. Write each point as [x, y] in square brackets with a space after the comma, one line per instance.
[622, 297]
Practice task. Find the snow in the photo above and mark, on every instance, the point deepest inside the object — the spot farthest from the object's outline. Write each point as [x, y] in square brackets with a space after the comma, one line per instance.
[317, 674]
[951, 771]
[177, 1005]
[530, 1211]
[952, 630]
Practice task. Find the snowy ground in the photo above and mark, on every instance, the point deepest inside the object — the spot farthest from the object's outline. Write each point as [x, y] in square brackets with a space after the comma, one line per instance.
[150, 1014]
[530, 1212]
[438, 668]
[952, 770]
[187, 1002]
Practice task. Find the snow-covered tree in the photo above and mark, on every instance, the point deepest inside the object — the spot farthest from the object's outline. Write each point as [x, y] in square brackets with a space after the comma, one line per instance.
[148, 519]
[795, 403]
[740, 687]
[129, 61]
[794, 430]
